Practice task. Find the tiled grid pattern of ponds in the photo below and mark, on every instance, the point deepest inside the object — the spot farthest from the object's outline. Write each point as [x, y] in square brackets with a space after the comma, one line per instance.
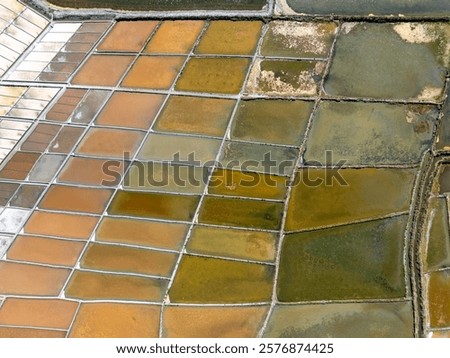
[19, 27]
[308, 249]
[19, 108]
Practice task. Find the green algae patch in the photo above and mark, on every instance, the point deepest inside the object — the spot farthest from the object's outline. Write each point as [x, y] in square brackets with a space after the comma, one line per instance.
[241, 212]
[358, 261]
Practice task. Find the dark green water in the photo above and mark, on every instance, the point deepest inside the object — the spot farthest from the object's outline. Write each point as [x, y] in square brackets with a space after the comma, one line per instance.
[162, 5]
[376, 7]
